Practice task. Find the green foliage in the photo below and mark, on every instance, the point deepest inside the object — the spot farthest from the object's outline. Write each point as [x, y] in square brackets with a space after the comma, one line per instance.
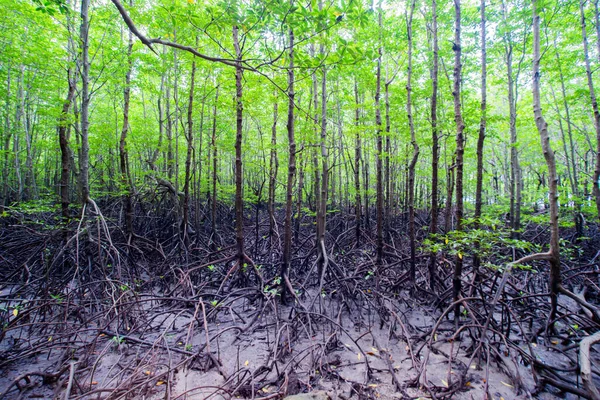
[490, 244]
[118, 340]
[51, 7]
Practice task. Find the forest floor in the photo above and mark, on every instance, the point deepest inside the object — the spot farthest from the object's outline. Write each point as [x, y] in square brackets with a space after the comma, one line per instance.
[87, 315]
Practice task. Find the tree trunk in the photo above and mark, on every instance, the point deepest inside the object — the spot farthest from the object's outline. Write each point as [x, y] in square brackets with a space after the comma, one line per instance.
[239, 202]
[542, 127]
[570, 151]
[449, 192]
[435, 148]
[6, 147]
[481, 137]
[413, 141]
[213, 201]
[169, 131]
[388, 155]
[322, 260]
[16, 139]
[287, 243]
[379, 155]
[63, 140]
[85, 103]
[366, 164]
[188, 159]
[515, 167]
[482, 122]
[29, 187]
[273, 167]
[123, 156]
[590, 81]
[161, 123]
[460, 126]
[299, 198]
[357, 150]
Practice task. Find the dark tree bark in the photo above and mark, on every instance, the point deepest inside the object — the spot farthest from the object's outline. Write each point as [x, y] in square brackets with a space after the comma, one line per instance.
[388, 155]
[366, 184]
[299, 198]
[123, 155]
[315, 159]
[29, 188]
[594, 102]
[379, 155]
[188, 159]
[357, 151]
[450, 173]
[20, 112]
[323, 260]
[481, 136]
[435, 148]
[460, 126]
[84, 157]
[273, 169]
[287, 242]
[413, 141]
[482, 121]
[63, 139]
[239, 202]
[515, 167]
[6, 147]
[169, 160]
[161, 124]
[213, 201]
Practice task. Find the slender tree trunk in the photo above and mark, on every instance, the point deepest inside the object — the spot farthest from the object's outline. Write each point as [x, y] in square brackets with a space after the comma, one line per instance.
[322, 207]
[460, 126]
[176, 121]
[63, 140]
[6, 148]
[449, 192]
[299, 199]
[379, 155]
[315, 159]
[273, 168]
[85, 103]
[357, 150]
[590, 81]
[569, 151]
[29, 187]
[123, 155]
[188, 158]
[317, 176]
[481, 137]
[239, 202]
[169, 131]
[198, 162]
[287, 242]
[161, 123]
[388, 154]
[482, 121]
[16, 137]
[542, 127]
[413, 141]
[515, 167]
[213, 201]
[366, 168]
[435, 147]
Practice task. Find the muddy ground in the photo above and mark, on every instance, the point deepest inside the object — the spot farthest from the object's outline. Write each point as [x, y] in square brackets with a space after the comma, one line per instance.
[87, 316]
